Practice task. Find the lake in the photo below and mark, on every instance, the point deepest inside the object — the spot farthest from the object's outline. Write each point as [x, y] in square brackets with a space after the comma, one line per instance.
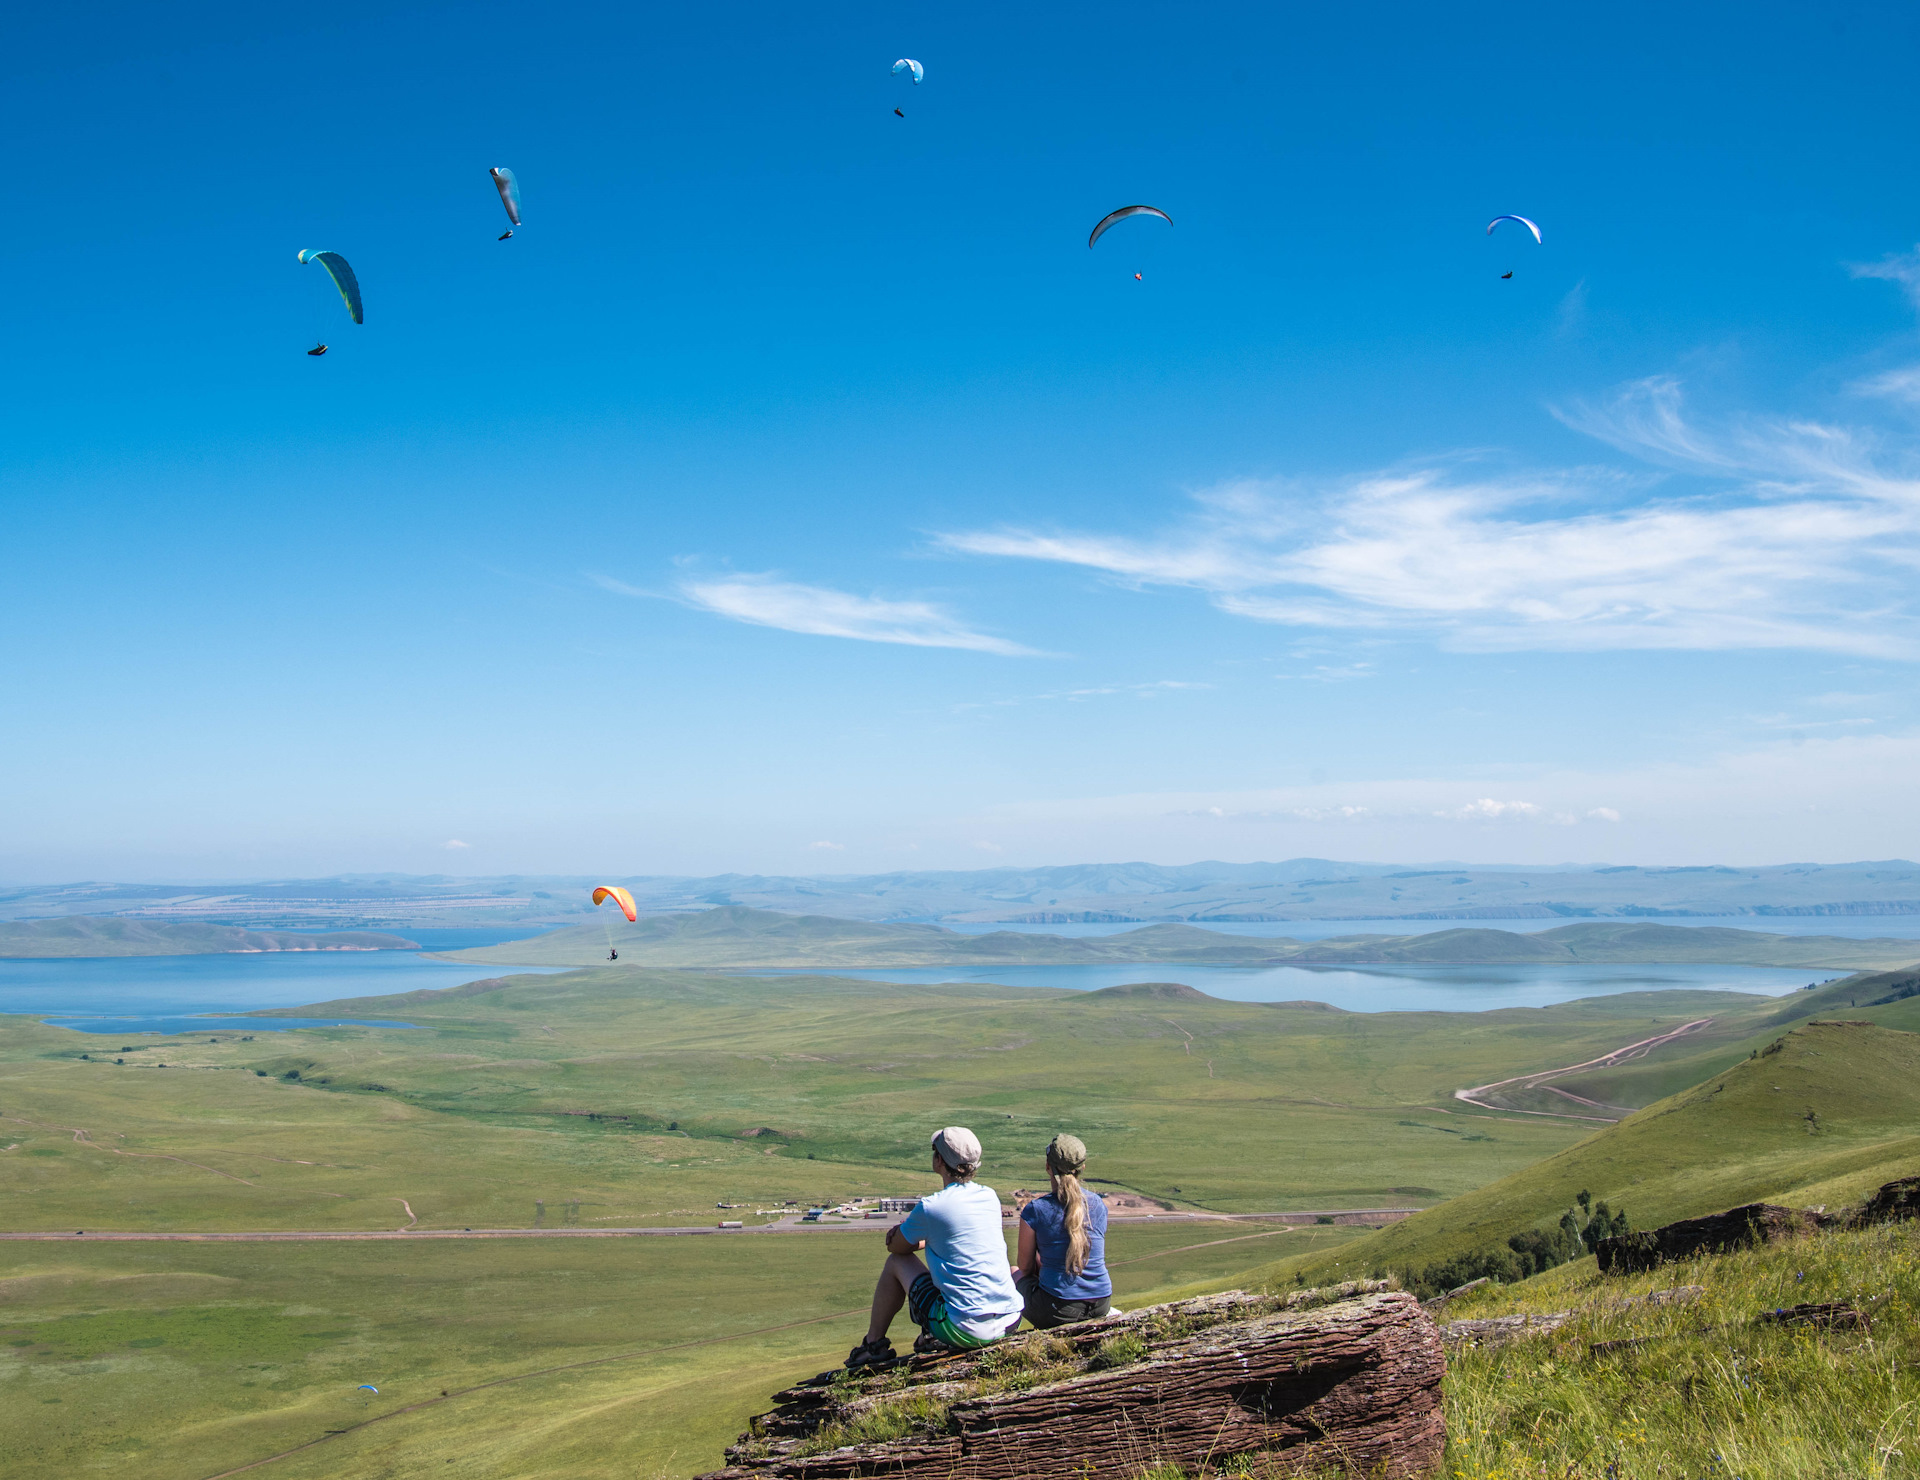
[119, 995]
[1377, 988]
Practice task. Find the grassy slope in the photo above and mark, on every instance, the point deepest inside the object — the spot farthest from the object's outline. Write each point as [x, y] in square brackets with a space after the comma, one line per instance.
[174, 1361]
[485, 1110]
[733, 936]
[1708, 1391]
[1742, 1136]
[81, 935]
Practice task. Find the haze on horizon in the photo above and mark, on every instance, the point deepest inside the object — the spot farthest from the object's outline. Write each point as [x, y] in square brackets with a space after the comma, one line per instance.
[796, 493]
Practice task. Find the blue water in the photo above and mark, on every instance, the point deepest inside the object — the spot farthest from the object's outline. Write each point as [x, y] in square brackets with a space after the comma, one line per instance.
[117, 995]
[1378, 988]
[1849, 927]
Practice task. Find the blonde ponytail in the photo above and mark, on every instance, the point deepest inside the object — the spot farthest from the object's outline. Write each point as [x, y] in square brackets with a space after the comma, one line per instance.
[1071, 1196]
[1066, 1159]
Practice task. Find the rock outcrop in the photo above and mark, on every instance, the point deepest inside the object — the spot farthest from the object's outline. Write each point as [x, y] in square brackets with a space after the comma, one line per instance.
[1891, 1204]
[1340, 1379]
[1716, 1233]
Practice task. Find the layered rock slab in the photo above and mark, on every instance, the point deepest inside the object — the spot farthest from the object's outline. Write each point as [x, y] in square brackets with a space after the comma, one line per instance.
[1346, 1379]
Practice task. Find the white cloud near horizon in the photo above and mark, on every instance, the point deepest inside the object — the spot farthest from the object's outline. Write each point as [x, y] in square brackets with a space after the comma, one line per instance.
[1804, 540]
[763, 601]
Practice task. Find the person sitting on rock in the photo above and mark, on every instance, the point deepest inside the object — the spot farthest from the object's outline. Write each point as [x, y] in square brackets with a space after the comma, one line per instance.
[966, 1299]
[1061, 1266]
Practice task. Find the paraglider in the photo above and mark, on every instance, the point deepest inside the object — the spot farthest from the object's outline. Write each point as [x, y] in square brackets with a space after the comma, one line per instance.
[908, 64]
[1521, 219]
[318, 349]
[1113, 218]
[367, 1387]
[620, 897]
[509, 189]
[1506, 275]
[1138, 279]
[898, 114]
[343, 279]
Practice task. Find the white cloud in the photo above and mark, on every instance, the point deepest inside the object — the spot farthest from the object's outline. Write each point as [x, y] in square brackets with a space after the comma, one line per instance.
[1802, 540]
[1488, 810]
[836, 847]
[986, 847]
[764, 601]
[1603, 814]
[1900, 267]
[455, 843]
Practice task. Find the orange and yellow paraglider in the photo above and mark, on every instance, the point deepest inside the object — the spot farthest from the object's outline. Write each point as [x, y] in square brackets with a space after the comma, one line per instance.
[620, 897]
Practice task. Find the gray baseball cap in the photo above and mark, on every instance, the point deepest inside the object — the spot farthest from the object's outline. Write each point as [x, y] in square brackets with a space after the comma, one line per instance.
[958, 1147]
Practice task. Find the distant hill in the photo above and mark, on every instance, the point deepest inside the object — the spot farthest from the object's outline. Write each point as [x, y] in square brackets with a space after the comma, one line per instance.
[732, 937]
[1291, 889]
[1821, 1114]
[82, 935]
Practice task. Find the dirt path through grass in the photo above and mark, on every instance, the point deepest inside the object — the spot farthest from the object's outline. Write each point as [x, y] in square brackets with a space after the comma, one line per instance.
[1542, 1080]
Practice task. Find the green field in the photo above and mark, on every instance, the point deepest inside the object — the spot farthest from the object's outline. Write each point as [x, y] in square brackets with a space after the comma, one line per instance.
[649, 1096]
[608, 1357]
[627, 1098]
[1824, 1113]
[732, 937]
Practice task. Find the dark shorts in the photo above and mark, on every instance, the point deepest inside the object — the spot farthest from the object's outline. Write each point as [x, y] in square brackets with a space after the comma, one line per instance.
[1047, 1310]
[928, 1307]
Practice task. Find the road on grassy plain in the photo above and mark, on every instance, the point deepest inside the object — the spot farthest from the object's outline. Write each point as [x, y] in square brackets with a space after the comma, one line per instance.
[1542, 1080]
[1346, 1216]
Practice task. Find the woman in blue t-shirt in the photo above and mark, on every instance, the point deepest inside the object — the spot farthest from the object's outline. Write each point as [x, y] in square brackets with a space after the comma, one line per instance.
[1062, 1264]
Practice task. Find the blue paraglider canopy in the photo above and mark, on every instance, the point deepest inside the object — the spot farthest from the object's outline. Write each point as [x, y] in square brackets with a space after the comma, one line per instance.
[343, 279]
[908, 64]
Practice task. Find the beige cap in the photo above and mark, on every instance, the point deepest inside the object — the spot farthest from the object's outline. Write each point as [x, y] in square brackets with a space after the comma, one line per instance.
[958, 1147]
[1066, 1153]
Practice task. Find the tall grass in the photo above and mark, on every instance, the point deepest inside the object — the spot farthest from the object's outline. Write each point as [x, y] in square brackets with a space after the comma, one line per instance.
[1707, 1390]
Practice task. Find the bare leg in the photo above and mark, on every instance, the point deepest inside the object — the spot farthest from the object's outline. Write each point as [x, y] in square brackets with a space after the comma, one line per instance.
[890, 1294]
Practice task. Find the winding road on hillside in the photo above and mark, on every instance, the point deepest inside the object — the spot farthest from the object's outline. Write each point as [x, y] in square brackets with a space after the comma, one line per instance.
[1543, 1080]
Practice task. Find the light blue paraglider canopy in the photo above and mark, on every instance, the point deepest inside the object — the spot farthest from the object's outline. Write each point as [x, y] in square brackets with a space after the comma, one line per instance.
[343, 279]
[367, 1387]
[1521, 219]
[908, 64]
[509, 189]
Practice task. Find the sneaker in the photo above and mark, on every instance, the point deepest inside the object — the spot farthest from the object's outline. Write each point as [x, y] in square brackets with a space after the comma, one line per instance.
[875, 1353]
[926, 1344]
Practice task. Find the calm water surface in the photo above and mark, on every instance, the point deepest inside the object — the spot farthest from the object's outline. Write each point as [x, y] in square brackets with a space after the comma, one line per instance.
[118, 995]
[1379, 988]
[175, 994]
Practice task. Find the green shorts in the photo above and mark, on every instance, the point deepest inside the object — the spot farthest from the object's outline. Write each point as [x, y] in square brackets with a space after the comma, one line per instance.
[928, 1307]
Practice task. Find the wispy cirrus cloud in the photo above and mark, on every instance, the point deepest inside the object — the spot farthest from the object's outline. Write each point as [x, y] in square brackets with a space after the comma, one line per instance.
[820, 611]
[1804, 537]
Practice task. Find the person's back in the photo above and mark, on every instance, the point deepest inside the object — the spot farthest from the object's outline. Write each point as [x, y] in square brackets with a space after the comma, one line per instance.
[1048, 1217]
[967, 1256]
[1062, 1261]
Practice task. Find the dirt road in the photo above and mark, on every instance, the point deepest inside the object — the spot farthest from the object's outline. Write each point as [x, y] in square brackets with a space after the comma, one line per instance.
[1543, 1080]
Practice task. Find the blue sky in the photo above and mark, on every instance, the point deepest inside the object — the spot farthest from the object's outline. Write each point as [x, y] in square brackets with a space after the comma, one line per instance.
[797, 492]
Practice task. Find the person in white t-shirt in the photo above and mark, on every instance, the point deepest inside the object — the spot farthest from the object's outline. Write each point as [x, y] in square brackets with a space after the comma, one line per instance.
[963, 1296]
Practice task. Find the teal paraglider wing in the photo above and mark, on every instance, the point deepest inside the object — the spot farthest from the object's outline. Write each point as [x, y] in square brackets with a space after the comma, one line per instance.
[908, 64]
[1112, 218]
[343, 279]
[509, 189]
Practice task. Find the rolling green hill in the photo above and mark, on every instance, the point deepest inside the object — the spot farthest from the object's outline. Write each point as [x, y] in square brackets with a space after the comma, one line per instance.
[732, 936]
[1821, 1113]
[91, 935]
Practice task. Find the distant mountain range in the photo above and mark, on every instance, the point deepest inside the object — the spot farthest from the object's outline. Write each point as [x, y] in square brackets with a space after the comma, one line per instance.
[1297, 889]
[84, 936]
[731, 937]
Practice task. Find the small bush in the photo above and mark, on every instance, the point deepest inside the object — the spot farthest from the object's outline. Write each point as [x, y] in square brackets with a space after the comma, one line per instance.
[1120, 1350]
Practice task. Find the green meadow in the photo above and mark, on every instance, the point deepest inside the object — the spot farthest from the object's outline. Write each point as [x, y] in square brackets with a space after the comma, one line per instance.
[565, 1357]
[624, 1097]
